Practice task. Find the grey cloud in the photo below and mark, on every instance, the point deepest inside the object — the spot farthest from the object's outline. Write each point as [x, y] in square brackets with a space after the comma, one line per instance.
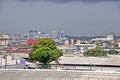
[1, 2]
[66, 1]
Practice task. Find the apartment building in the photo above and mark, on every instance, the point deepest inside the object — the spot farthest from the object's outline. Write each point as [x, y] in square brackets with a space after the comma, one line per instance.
[4, 39]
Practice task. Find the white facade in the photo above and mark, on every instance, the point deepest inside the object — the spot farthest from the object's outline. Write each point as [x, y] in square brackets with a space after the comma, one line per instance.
[66, 49]
[71, 42]
[110, 37]
[118, 44]
[4, 39]
[78, 42]
[66, 42]
[99, 39]
[81, 48]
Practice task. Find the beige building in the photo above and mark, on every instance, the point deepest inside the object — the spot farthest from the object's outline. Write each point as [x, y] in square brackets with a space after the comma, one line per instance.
[66, 48]
[78, 42]
[4, 39]
[66, 42]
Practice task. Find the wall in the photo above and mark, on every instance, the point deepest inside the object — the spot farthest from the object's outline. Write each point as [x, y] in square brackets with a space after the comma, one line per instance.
[56, 75]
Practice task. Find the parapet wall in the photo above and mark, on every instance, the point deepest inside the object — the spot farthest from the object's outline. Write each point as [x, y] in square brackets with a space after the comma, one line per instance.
[56, 75]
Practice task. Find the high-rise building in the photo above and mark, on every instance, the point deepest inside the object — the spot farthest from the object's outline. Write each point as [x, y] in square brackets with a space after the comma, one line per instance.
[61, 35]
[53, 35]
[32, 34]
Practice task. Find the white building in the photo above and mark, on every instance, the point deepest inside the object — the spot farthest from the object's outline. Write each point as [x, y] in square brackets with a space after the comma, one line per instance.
[81, 48]
[119, 44]
[66, 42]
[3, 39]
[78, 42]
[99, 39]
[109, 37]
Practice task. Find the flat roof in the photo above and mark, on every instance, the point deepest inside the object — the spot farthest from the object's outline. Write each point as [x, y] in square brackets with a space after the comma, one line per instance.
[111, 61]
[84, 44]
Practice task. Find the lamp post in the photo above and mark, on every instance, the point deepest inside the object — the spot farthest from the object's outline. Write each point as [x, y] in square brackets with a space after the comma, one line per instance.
[5, 61]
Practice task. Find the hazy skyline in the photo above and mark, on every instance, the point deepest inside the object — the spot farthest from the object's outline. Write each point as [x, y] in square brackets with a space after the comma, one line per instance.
[74, 17]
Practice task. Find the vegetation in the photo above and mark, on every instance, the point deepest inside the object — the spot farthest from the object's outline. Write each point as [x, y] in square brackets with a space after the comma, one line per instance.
[9, 51]
[24, 46]
[113, 52]
[96, 52]
[45, 51]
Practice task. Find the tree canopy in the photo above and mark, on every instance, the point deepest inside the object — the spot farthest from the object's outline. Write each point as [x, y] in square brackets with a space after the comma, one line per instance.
[96, 52]
[113, 52]
[45, 51]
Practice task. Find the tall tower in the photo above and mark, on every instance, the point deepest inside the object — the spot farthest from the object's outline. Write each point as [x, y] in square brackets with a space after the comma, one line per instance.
[32, 34]
[61, 35]
[53, 35]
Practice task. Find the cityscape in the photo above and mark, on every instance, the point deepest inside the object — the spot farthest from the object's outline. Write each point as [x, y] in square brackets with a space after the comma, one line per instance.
[15, 49]
[14, 41]
[69, 45]
[59, 40]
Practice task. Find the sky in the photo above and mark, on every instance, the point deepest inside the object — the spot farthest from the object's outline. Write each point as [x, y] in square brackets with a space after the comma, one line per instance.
[74, 17]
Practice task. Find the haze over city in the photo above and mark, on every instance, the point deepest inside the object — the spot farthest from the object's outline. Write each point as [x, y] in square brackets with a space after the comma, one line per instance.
[74, 17]
[59, 39]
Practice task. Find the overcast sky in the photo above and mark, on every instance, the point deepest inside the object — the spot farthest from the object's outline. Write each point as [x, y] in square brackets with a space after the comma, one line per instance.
[74, 17]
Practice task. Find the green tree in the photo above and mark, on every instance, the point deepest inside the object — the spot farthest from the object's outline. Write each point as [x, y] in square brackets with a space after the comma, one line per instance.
[45, 51]
[96, 52]
[113, 52]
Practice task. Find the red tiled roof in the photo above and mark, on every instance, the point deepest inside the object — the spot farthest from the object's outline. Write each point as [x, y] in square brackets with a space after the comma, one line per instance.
[31, 41]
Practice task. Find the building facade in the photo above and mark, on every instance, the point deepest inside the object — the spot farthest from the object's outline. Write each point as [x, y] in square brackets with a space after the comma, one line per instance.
[4, 39]
[81, 48]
